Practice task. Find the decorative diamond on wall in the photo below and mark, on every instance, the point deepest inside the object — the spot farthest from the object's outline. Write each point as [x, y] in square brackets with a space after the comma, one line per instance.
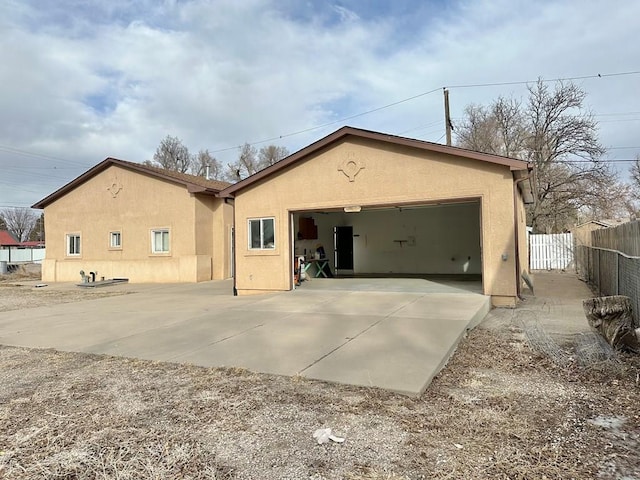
[115, 187]
[351, 167]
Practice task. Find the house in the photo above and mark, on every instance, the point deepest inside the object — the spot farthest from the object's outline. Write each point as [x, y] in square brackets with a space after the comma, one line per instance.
[582, 232]
[13, 252]
[147, 224]
[368, 203]
[7, 240]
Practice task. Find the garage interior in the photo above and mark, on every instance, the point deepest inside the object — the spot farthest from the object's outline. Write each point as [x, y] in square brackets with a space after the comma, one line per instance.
[437, 240]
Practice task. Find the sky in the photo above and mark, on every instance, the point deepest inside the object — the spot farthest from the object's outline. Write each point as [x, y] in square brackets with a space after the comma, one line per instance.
[83, 80]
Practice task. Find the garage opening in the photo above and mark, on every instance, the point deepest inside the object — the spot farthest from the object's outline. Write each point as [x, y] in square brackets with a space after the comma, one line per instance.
[429, 241]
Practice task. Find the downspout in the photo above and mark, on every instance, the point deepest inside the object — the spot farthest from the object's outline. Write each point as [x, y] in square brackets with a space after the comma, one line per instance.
[516, 234]
[229, 201]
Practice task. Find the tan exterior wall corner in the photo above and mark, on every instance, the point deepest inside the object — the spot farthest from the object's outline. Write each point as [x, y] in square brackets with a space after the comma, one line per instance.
[49, 270]
[255, 292]
[500, 301]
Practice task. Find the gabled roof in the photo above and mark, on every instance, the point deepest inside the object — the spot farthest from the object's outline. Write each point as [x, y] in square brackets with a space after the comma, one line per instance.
[606, 223]
[7, 239]
[346, 131]
[193, 183]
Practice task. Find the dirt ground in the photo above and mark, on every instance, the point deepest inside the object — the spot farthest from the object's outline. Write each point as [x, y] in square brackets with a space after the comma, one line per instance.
[499, 410]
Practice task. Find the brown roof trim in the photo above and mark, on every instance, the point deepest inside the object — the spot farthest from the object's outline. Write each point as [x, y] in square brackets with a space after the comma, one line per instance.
[343, 132]
[193, 183]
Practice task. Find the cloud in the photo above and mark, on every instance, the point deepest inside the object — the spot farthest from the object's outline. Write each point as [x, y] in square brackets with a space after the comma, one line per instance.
[345, 14]
[86, 80]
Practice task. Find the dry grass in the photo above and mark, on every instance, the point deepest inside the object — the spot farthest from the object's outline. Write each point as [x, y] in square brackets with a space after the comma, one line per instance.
[18, 291]
[498, 411]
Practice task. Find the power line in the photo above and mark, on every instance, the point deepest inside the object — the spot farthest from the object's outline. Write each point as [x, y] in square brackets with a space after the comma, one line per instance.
[17, 151]
[331, 123]
[525, 82]
[473, 85]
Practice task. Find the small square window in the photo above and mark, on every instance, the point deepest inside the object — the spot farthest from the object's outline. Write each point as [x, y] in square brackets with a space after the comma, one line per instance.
[115, 240]
[73, 245]
[160, 241]
[262, 234]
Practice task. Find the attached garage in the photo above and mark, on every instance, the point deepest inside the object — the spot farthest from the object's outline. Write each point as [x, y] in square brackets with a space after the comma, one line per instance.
[366, 203]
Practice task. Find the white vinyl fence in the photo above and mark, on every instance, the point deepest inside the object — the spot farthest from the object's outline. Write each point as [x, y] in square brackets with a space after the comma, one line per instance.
[551, 252]
[21, 255]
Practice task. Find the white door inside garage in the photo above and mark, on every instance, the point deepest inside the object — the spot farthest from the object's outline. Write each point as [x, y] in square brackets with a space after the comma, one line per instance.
[430, 239]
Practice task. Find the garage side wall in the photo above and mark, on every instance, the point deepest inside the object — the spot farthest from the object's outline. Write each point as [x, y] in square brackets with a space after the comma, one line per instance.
[365, 172]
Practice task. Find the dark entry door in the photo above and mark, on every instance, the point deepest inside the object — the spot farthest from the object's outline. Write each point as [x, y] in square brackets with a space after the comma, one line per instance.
[343, 247]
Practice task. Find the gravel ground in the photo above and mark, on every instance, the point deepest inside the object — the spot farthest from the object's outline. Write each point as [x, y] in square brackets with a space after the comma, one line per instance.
[499, 410]
[20, 290]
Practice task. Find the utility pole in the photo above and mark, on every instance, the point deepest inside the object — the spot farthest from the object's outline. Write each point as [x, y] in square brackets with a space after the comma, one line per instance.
[447, 117]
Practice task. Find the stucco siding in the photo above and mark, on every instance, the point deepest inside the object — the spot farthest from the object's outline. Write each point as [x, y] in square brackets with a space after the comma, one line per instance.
[368, 173]
[133, 204]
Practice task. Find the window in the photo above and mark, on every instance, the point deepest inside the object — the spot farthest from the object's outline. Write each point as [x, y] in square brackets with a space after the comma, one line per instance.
[115, 240]
[73, 244]
[160, 241]
[262, 234]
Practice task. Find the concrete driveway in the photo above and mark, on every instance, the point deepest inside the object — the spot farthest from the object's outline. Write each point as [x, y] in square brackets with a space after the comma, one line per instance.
[389, 333]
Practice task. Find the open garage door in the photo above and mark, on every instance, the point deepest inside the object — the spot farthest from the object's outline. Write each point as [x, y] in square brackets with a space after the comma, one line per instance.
[404, 241]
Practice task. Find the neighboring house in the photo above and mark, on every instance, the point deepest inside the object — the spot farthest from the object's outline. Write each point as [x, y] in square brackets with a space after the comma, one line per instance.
[582, 232]
[378, 204]
[147, 224]
[7, 240]
[13, 251]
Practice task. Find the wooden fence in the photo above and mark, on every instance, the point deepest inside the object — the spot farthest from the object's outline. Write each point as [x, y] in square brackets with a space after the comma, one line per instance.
[612, 264]
[624, 238]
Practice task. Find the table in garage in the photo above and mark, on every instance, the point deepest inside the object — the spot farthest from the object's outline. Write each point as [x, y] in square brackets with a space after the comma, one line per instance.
[321, 264]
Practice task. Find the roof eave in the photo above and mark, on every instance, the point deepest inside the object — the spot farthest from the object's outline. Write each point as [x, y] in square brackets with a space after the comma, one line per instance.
[106, 163]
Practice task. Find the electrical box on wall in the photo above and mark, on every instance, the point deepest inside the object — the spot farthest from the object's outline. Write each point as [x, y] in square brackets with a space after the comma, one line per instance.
[307, 229]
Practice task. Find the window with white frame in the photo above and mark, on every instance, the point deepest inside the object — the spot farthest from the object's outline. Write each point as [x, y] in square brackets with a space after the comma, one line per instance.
[73, 244]
[115, 239]
[262, 234]
[160, 240]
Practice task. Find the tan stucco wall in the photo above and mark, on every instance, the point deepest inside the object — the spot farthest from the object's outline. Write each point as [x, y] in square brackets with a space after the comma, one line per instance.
[582, 233]
[134, 204]
[388, 175]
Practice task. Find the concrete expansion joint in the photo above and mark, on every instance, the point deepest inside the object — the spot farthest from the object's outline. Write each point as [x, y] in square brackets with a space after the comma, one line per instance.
[218, 341]
[350, 339]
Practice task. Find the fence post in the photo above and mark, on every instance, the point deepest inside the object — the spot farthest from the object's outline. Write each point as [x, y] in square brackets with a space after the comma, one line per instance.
[617, 274]
[599, 270]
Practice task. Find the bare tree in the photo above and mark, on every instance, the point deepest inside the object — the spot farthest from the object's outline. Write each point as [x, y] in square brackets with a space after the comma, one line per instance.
[271, 154]
[498, 129]
[173, 155]
[635, 175]
[19, 222]
[37, 232]
[554, 132]
[201, 161]
[251, 161]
